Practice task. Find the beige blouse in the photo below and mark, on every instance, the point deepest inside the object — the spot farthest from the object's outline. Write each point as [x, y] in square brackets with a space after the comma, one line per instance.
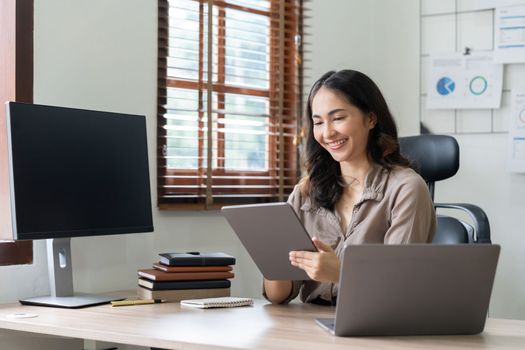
[395, 208]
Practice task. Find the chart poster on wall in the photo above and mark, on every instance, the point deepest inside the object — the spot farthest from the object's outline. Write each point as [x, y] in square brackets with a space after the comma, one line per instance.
[457, 81]
[490, 4]
[509, 34]
[517, 132]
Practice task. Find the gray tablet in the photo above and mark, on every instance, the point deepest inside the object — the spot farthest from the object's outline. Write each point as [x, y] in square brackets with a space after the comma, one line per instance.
[269, 232]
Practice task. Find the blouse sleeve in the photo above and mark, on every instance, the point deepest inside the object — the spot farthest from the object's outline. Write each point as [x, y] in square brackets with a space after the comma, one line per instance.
[413, 217]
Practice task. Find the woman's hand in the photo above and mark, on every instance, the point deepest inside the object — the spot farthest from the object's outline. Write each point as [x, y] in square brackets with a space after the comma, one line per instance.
[321, 266]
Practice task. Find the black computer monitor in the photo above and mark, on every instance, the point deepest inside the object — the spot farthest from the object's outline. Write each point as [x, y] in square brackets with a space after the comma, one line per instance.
[75, 172]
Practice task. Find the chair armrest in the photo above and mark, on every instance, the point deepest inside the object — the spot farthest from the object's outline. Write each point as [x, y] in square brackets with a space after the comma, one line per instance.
[478, 216]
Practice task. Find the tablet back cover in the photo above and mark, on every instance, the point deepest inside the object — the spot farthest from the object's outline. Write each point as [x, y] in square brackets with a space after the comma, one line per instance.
[269, 232]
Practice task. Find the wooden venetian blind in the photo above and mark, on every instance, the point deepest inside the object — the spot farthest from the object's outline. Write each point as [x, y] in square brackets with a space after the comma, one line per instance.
[228, 101]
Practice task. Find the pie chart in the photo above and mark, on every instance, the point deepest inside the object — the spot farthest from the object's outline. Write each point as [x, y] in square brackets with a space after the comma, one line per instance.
[445, 86]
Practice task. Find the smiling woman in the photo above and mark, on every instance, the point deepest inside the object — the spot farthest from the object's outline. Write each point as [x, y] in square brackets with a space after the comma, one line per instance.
[358, 188]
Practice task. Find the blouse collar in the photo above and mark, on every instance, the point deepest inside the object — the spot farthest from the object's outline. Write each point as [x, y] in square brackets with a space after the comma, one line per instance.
[375, 183]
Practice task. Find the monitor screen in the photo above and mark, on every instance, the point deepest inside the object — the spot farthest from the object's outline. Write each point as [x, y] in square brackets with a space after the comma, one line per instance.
[77, 172]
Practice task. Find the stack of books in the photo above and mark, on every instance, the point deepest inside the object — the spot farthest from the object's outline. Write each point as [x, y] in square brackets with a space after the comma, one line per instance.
[193, 275]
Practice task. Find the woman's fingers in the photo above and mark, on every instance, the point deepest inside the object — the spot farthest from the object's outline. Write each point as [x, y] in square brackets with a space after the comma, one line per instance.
[321, 266]
[303, 262]
[311, 270]
[302, 255]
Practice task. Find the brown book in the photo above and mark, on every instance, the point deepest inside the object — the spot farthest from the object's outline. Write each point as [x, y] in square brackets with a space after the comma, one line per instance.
[181, 294]
[166, 268]
[161, 276]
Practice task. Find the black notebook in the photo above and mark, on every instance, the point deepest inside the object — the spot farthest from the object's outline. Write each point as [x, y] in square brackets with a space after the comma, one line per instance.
[196, 259]
[206, 284]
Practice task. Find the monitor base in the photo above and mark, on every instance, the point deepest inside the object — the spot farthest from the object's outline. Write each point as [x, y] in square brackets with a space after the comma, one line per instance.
[78, 300]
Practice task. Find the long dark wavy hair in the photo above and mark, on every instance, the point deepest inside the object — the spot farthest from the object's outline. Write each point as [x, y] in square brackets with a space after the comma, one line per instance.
[324, 183]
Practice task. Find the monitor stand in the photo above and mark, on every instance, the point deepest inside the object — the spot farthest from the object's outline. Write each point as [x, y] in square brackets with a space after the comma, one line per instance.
[61, 280]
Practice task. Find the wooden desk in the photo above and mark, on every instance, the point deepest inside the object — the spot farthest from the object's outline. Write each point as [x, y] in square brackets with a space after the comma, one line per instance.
[263, 326]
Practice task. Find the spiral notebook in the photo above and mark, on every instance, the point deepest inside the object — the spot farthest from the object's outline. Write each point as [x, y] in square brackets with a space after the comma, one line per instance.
[208, 303]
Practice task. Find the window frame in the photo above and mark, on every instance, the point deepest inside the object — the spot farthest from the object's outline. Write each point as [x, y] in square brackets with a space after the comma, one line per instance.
[221, 88]
[16, 45]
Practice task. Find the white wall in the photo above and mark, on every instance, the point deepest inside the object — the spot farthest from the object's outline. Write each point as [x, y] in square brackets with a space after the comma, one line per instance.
[483, 179]
[395, 58]
[377, 37]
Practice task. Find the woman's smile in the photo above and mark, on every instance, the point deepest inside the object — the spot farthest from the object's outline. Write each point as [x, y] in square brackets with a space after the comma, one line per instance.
[335, 145]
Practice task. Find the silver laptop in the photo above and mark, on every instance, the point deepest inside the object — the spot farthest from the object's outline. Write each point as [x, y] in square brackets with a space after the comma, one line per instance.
[418, 289]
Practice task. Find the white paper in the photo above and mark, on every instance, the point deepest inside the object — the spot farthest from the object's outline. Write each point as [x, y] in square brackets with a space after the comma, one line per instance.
[457, 81]
[509, 34]
[516, 155]
[490, 4]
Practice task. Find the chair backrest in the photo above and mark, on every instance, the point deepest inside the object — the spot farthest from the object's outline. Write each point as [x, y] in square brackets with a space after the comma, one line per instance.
[435, 158]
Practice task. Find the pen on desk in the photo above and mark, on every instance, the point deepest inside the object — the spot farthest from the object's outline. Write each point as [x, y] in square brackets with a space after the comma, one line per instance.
[136, 302]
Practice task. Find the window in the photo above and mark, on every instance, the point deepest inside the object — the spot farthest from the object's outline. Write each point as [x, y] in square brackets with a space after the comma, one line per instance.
[16, 84]
[228, 101]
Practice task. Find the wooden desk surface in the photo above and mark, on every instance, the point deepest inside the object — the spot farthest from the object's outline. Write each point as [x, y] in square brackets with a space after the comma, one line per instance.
[263, 326]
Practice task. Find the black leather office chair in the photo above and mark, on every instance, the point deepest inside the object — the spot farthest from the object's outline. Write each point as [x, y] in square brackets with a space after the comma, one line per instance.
[436, 157]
